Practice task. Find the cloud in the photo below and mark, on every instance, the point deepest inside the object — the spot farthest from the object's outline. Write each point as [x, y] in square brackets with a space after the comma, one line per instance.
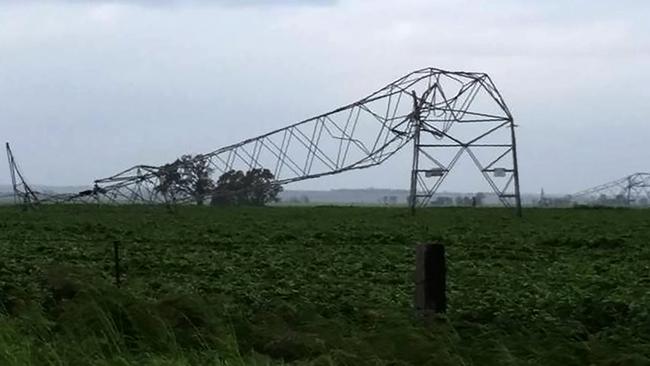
[163, 3]
[98, 86]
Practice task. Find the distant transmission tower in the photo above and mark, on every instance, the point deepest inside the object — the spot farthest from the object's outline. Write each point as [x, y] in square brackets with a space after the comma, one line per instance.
[626, 191]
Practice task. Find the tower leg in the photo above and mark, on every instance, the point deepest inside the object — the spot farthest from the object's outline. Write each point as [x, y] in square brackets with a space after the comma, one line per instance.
[515, 167]
[413, 201]
[629, 191]
[12, 172]
[28, 196]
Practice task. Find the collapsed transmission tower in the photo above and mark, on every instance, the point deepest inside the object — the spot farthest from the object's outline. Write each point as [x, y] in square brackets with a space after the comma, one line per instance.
[627, 191]
[21, 191]
[444, 114]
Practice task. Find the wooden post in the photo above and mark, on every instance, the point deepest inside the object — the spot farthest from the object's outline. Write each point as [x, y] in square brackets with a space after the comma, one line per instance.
[116, 255]
[430, 279]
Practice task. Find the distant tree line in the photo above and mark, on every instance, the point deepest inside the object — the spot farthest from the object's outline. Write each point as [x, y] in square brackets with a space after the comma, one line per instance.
[389, 200]
[302, 199]
[191, 176]
[461, 201]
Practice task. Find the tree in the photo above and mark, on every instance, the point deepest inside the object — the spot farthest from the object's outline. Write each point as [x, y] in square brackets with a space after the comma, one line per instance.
[478, 199]
[187, 176]
[442, 201]
[256, 187]
[602, 199]
[229, 187]
[168, 181]
[389, 200]
[463, 201]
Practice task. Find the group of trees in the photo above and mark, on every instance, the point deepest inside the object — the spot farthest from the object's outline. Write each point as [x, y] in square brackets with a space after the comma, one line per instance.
[191, 176]
[467, 201]
[389, 200]
[255, 187]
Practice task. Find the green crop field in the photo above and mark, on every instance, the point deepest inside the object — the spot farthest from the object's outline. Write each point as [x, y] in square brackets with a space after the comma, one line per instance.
[321, 286]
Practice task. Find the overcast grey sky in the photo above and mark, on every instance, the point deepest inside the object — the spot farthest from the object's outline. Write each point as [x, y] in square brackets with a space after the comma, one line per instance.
[89, 88]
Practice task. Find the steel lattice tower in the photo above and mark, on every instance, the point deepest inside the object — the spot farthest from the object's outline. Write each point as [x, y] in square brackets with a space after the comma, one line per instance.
[444, 114]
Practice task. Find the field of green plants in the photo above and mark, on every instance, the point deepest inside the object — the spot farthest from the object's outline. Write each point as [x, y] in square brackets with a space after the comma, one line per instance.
[321, 286]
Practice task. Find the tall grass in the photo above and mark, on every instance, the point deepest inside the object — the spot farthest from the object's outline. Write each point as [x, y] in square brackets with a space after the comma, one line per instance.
[83, 321]
[78, 321]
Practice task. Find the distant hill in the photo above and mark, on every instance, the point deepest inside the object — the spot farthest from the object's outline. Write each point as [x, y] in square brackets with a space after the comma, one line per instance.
[52, 189]
[374, 196]
[6, 192]
[364, 196]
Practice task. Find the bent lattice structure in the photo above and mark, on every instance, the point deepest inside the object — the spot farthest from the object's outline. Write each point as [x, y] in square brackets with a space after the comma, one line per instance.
[627, 191]
[443, 114]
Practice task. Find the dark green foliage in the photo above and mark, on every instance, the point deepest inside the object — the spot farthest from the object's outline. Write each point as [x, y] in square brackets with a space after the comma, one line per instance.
[256, 187]
[188, 175]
